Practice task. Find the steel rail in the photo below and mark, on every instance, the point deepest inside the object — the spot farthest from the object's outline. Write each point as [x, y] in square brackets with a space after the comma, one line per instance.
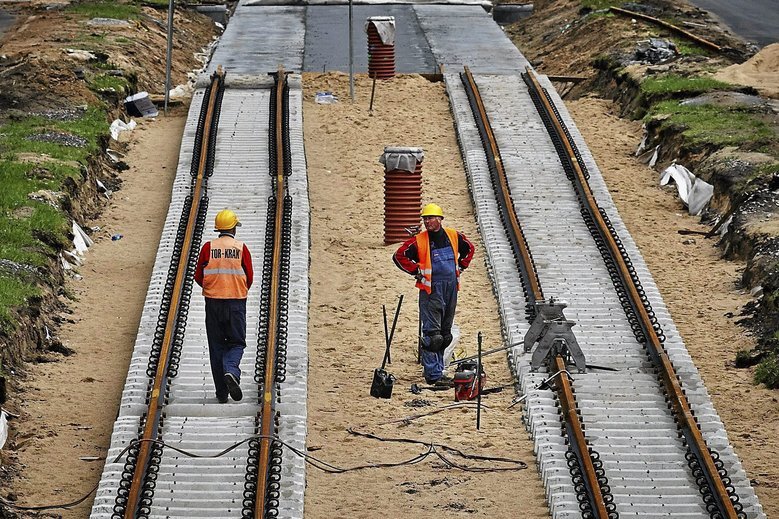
[678, 400]
[573, 424]
[575, 430]
[161, 379]
[269, 380]
[504, 194]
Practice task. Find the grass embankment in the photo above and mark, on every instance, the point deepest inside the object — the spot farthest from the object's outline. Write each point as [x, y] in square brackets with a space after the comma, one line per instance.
[38, 154]
[708, 123]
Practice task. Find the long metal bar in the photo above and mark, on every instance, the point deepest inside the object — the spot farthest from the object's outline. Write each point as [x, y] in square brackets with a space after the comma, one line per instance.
[679, 403]
[157, 399]
[269, 379]
[568, 402]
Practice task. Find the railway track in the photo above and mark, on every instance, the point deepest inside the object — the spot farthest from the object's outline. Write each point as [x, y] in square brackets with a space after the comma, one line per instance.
[619, 443]
[181, 453]
[632, 441]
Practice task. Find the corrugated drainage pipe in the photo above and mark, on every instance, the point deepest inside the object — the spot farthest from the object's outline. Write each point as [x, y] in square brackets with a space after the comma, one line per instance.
[381, 56]
[402, 192]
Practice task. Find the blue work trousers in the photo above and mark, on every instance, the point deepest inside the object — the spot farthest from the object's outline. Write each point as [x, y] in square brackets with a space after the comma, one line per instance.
[436, 310]
[226, 330]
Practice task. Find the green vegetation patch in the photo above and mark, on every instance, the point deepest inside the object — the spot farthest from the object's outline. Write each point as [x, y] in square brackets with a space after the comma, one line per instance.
[37, 155]
[29, 229]
[13, 293]
[105, 9]
[671, 85]
[718, 125]
[685, 48]
[21, 136]
[598, 4]
[104, 82]
[767, 372]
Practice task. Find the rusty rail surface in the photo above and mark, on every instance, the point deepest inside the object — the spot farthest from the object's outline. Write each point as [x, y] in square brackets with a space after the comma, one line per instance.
[161, 378]
[678, 401]
[572, 421]
[267, 389]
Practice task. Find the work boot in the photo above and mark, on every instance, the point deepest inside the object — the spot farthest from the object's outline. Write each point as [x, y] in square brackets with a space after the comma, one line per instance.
[444, 381]
[221, 399]
[232, 387]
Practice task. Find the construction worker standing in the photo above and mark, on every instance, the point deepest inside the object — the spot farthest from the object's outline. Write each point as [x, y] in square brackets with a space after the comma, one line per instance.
[435, 257]
[224, 270]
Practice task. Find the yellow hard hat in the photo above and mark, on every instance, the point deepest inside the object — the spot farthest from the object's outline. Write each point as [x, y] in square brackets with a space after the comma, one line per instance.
[432, 210]
[226, 220]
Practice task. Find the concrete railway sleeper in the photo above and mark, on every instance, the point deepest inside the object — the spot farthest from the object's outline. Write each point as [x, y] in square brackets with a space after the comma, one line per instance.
[138, 482]
[717, 491]
[589, 480]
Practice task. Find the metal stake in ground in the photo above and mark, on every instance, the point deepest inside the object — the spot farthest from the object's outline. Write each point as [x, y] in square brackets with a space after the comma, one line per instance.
[373, 91]
[478, 381]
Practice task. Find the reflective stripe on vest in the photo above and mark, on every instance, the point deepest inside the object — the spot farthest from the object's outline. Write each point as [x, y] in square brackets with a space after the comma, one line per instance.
[426, 264]
[223, 277]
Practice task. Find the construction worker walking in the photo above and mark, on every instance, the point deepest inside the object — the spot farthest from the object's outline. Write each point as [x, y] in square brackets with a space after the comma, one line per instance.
[435, 257]
[224, 270]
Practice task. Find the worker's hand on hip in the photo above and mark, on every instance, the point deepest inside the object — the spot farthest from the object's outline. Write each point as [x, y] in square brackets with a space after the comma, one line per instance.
[418, 275]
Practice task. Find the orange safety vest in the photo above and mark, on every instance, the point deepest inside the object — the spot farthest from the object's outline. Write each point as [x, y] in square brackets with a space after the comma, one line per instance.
[426, 264]
[223, 277]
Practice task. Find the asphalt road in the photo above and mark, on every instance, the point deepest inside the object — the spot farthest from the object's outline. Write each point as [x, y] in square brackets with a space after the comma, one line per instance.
[754, 20]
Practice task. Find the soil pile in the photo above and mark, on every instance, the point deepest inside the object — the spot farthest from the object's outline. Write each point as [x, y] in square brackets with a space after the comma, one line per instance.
[761, 72]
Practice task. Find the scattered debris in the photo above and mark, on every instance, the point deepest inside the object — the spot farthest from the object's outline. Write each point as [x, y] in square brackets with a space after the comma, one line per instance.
[61, 138]
[81, 55]
[418, 402]
[654, 51]
[117, 237]
[52, 198]
[108, 22]
[325, 98]
[139, 105]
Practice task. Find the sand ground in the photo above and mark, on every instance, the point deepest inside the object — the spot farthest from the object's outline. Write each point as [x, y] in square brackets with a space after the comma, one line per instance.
[70, 405]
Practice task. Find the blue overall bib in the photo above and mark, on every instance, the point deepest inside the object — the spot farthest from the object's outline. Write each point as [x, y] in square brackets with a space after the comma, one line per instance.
[437, 308]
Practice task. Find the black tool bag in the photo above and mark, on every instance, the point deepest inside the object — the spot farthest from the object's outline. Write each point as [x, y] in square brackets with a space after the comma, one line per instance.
[381, 387]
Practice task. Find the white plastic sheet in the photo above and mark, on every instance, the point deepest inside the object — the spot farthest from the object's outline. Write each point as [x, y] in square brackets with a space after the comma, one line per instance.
[694, 192]
[80, 239]
[119, 126]
[3, 429]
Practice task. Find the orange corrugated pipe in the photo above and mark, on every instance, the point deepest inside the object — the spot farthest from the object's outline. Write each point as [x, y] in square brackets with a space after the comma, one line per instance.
[381, 57]
[402, 202]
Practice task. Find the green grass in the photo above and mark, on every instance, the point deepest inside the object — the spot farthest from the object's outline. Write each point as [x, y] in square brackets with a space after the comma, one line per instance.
[13, 293]
[14, 136]
[103, 82]
[767, 372]
[686, 48]
[105, 9]
[31, 231]
[597, 4]
[156, 3]
[710, 124]
[664, 86]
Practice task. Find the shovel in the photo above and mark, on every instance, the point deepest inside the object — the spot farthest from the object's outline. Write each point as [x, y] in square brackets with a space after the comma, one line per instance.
[383, 381]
